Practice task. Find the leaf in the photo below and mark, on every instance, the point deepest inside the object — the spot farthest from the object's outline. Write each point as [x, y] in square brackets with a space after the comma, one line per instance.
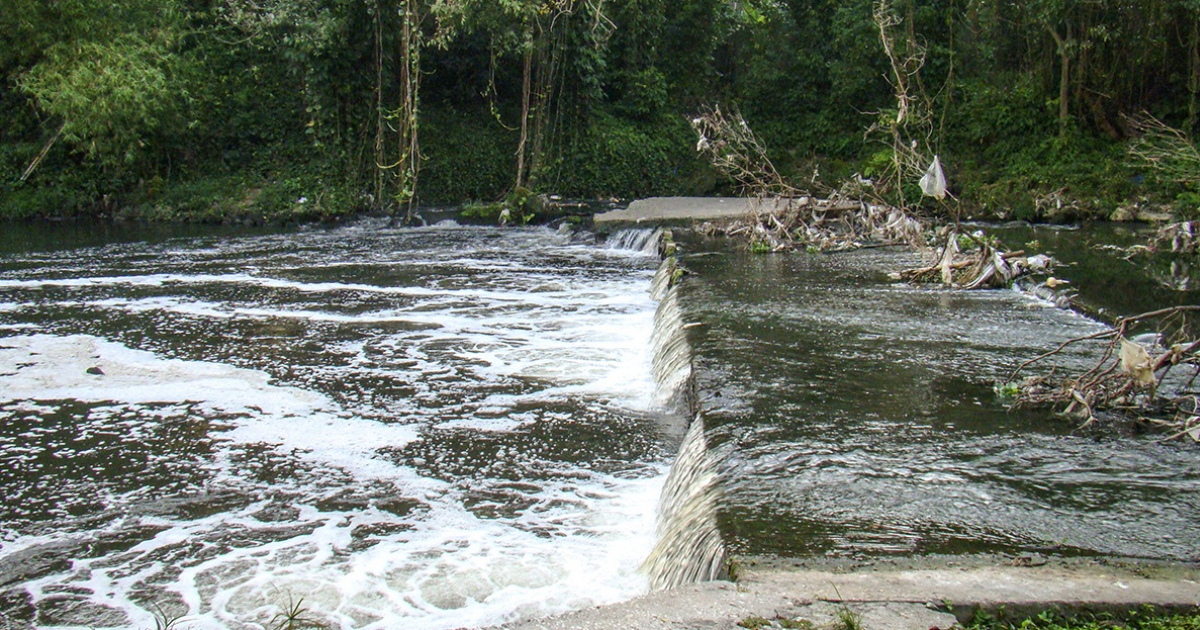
[1136, 362]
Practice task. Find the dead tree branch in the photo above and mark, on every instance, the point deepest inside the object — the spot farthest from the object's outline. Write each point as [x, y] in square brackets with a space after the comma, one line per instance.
[1164, 150]
[1132, 376]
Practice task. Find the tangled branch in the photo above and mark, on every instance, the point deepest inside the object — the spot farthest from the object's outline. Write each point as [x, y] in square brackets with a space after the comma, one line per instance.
[1133, 377]
[909, 129]
[1164, 150]
[974, 261]
[731, 147]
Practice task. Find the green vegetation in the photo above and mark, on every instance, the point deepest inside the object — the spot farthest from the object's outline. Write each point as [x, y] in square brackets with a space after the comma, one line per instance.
[164, 620]
[294, 616]
[1148, 619]
[306, 110]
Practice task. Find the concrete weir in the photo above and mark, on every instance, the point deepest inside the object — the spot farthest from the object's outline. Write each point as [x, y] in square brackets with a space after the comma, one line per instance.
[686, 210]
[666, 210]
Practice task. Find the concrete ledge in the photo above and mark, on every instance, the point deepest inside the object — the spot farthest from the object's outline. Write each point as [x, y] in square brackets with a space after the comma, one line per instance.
[686, 210]
[680, 210]
[884, 600]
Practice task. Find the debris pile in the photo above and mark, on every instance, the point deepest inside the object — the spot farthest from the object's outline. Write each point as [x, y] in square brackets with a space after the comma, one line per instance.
[974, 261]
[1150, 377]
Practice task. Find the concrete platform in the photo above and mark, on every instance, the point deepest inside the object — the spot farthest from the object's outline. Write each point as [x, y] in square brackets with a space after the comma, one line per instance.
[883, 599]
[687, 210]
[678, 210]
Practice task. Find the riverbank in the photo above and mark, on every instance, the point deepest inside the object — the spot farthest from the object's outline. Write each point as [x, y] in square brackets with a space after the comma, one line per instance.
[901, 594]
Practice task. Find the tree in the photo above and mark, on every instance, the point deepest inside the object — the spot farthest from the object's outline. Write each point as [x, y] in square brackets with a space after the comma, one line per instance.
[105, 77]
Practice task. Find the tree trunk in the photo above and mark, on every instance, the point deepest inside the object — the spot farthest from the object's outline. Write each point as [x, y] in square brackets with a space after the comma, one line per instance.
[1194, 75]
[408, 163]
[526, 95]
[379, 122]
[1064, 79]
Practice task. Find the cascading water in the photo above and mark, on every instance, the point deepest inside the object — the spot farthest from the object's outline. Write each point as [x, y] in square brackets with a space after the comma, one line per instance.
[689, 547]
[405, 428]
[646, 241]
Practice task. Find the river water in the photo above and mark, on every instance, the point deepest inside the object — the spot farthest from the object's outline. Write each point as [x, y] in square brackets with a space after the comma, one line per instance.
[432, 427]
[852, 417]
[451, 426]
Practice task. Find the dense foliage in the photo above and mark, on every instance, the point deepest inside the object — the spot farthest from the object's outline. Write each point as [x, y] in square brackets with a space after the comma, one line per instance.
[307, 109]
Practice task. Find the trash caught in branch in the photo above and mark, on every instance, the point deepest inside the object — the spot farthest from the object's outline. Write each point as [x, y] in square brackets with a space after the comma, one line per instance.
[933, 183]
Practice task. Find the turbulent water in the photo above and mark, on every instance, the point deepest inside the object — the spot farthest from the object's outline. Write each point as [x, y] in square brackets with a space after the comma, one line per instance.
[394, 428]
[853, 417]
[452, 426]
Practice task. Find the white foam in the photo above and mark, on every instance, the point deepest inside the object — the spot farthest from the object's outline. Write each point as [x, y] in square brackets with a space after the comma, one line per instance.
[56, 368]
[571, 537]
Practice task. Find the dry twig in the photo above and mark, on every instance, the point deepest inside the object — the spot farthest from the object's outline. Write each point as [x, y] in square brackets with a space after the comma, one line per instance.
[1128, 379]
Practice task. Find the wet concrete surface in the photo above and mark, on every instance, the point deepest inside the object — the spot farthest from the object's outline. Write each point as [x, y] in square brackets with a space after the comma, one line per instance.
[893, 598]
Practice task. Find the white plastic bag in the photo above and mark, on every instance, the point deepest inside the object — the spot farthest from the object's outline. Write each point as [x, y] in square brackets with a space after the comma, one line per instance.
[933, 183]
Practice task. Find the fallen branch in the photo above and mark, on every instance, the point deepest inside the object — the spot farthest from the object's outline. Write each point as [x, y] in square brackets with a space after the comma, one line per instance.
[1130, 379]
[981, 266]
[42, 154]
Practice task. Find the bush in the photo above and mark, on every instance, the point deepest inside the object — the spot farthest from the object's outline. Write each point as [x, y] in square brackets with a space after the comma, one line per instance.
[467, 156]
[616, 157]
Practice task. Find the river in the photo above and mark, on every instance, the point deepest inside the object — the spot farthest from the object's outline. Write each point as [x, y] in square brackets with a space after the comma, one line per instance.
[851, 417]
[428, 427]
[453, 426]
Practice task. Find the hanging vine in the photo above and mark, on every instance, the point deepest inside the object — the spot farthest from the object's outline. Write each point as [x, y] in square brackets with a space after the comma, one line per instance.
[405, 119]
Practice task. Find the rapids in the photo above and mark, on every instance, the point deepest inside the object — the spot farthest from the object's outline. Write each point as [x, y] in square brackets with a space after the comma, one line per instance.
[394, 427]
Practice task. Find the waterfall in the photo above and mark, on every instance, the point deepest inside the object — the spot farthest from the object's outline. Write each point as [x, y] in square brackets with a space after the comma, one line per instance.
[689, 547]
[645, 240]
[672, 357]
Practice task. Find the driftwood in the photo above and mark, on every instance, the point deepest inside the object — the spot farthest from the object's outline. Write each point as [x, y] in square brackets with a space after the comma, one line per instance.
[782, 224]
[1132, 378]
[983, 265]
[788, 217]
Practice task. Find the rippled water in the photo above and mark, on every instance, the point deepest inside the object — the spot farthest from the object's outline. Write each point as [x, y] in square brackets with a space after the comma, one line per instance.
[855, 417]
[418, 428]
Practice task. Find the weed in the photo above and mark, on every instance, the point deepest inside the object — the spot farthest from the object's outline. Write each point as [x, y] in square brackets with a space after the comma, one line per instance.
[1006, 390]
[164, 620]
[294, 617]
[847, 619]
[1052, 620]
[754, 622]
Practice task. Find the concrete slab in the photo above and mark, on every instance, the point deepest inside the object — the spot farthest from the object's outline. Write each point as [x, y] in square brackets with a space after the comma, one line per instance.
[882, 599]
[984, 586]
[687, 210]
[674, 210]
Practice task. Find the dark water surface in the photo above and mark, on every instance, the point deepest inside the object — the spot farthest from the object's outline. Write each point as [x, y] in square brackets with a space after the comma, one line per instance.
[1103, 277]
[852, 417]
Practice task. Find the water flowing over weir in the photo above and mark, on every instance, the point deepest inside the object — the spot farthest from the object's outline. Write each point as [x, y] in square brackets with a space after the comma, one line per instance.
[689, 547]
[408, 428]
